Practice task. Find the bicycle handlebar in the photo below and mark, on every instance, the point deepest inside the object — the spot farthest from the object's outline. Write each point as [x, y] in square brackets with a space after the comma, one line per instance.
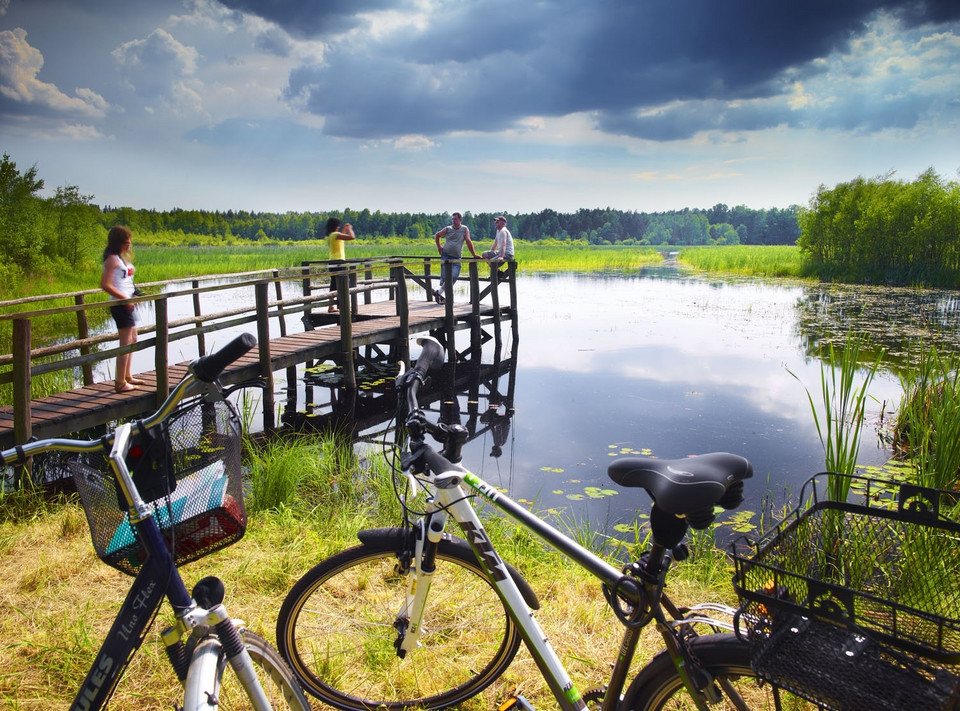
[205, 369]
[431, 357]
[208, 368]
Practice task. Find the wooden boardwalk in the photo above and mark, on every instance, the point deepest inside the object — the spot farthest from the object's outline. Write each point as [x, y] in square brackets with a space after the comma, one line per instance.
[372, 324]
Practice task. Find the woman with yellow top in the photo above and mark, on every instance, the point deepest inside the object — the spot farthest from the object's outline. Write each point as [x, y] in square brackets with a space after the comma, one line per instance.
[337, 237]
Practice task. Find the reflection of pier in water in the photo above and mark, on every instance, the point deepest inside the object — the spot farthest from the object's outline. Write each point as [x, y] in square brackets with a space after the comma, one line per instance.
[367, 412]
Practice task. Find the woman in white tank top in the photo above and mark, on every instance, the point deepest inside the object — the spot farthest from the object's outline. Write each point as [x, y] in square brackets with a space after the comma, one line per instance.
[117, 281]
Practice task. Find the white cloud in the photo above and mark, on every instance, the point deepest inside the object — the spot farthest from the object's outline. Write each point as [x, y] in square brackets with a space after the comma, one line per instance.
[155, 66]
[20, 65]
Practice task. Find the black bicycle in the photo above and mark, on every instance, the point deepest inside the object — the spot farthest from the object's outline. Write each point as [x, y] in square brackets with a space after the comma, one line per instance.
[158, 493]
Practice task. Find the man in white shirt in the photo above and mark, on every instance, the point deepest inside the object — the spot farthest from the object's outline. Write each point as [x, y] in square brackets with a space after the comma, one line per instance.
[502, 244]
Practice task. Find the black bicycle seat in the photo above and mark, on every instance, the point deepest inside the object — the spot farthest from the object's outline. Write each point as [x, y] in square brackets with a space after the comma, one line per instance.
[686, 486]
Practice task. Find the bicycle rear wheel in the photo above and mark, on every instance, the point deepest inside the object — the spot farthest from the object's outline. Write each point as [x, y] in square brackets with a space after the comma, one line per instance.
[210, 686]
[336, 629]
[727, 659]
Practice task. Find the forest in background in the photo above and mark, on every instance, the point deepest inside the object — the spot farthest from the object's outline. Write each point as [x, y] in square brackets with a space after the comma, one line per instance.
[878, 230]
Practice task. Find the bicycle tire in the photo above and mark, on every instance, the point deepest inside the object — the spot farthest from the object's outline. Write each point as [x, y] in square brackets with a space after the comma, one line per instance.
[658, 687]
[207, 687]
[336, 631]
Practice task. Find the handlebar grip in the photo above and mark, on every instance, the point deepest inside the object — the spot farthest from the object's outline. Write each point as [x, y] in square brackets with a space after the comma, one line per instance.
[208, 368]
[431, 357]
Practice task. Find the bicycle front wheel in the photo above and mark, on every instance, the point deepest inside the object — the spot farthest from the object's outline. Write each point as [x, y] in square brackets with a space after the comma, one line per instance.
[727, 659]
[336, 629]
[210, 686]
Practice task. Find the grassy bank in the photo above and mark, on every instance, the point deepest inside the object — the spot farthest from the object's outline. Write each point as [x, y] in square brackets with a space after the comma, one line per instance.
[58, 602]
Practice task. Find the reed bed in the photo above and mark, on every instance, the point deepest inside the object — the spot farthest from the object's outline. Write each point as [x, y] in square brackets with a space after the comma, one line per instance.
[771, 261]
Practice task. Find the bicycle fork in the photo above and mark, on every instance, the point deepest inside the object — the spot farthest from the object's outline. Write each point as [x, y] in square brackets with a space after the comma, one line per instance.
[209, 612]
[409, 621]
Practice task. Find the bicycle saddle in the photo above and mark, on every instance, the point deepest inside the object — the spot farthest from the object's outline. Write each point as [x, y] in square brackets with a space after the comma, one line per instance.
[686, 487]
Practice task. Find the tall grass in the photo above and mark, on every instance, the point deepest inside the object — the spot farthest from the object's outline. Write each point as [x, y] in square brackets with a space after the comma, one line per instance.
[59, 601]
[843, 401]
[773, 260]
[927, 429]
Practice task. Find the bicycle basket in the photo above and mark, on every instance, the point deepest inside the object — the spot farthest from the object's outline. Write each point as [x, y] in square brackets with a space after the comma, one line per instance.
[857, 593]
[201, 509]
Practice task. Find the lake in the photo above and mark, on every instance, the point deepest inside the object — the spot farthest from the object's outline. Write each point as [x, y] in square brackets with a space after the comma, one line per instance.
[668, 364]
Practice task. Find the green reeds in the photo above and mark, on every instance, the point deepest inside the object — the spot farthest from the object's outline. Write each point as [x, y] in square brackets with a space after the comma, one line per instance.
[765, 260]
[844, 401]
[927, 430]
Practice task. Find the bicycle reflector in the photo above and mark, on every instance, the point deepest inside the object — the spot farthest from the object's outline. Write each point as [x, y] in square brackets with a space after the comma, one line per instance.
[148, 460]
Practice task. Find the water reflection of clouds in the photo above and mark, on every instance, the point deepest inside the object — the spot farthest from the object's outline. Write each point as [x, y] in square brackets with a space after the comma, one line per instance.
[708, 350]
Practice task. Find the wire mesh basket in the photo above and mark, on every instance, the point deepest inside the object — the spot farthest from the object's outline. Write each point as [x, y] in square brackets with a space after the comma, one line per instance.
[858, 596]
[188, 469]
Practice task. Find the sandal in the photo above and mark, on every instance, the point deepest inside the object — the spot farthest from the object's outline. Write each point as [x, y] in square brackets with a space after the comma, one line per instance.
[438, 297]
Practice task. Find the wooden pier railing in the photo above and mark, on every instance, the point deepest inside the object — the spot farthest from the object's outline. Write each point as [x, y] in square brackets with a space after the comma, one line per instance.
[364, 290]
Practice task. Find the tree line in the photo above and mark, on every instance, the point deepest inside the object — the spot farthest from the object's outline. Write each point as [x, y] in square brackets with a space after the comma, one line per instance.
[885, 231]
[718, 225]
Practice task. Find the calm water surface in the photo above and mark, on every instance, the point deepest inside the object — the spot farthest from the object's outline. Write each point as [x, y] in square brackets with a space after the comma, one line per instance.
[667, 366]
[662, 367]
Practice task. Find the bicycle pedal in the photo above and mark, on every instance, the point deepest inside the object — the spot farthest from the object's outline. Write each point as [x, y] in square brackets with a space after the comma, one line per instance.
[515, 703]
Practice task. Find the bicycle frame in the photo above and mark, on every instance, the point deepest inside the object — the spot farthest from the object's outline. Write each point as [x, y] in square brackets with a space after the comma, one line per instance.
[158, 578]
[450, 499]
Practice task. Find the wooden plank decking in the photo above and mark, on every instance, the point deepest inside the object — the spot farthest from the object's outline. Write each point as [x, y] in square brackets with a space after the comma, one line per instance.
[97, 404]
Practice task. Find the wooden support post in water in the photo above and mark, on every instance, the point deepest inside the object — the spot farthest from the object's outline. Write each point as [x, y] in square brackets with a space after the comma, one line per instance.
[83, 333]
[161, 351]
[475, 343]
[201, 341]
[446, 266]
[495, 299]
[403, 308]
[263, 339]
[346, 329]
[512, 271]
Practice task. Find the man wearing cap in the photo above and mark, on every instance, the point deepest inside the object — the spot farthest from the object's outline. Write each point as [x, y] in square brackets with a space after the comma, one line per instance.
[502, 244]
[455, 236]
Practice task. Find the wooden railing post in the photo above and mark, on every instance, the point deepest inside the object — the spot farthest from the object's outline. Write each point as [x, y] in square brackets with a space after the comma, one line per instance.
[306, 289]
[201, 341]
[427, 278]
[346, 329]
[263, 339]
[161, 351]
[22, 414]
[279, 292]
[368, 276]
[352, 277]
[83, 332]
[403, 307]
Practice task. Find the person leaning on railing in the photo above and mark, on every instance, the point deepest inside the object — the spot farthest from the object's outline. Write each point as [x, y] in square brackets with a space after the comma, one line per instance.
[337, 237]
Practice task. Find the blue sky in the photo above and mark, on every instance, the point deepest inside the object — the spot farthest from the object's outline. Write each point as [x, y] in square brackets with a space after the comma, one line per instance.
[480, 105]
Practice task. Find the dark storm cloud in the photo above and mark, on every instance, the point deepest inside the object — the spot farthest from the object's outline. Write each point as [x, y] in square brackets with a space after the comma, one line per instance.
[486, 65]
[311, 18]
